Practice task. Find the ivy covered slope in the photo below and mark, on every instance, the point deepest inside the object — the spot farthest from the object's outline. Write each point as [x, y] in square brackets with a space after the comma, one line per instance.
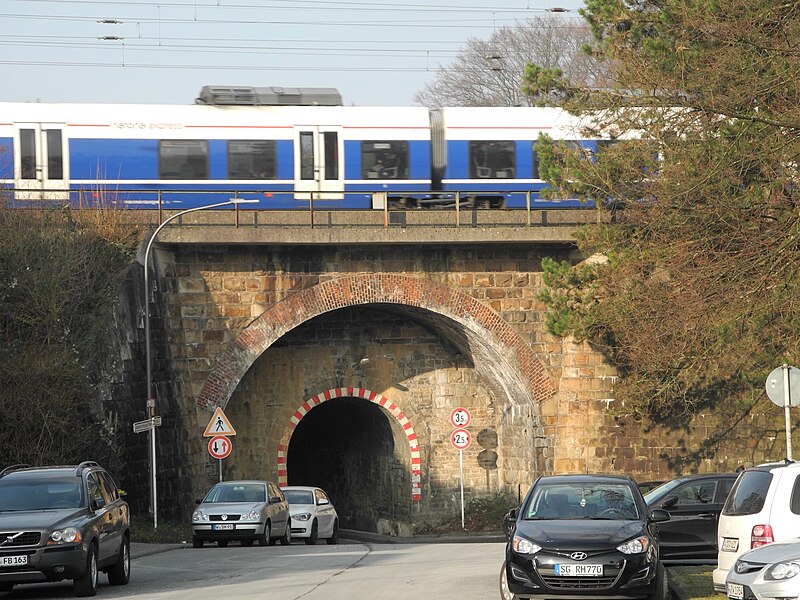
[59, 282]
[695, 290]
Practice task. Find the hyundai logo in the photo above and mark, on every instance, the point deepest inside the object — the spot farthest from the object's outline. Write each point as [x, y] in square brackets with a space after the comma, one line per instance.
[742, 567]
[578, 555]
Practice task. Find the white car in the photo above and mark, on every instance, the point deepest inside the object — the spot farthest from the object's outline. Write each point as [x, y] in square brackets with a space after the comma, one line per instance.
[313, 515]
[763, 507]
[766, 573]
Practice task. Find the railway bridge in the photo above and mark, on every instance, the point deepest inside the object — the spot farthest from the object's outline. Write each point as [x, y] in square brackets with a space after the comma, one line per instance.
[338, 345]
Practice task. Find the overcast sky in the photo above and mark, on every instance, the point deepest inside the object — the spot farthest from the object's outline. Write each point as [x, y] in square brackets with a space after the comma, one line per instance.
[154, 51]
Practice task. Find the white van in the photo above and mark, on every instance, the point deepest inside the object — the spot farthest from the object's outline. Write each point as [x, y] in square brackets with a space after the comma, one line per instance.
[763, 507]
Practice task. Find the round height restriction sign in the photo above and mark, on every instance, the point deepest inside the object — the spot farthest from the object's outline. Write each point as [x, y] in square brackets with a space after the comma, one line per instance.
[461, 439]
[460, 417]
[219, 446]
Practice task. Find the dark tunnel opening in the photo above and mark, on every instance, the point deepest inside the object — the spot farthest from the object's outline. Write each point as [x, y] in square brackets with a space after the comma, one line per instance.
[346, 447]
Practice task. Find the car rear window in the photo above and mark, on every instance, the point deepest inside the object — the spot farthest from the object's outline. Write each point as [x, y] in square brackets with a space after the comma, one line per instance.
[748, 493]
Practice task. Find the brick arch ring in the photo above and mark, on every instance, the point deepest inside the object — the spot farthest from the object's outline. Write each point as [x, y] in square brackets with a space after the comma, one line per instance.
[349, 392]
[524, 376]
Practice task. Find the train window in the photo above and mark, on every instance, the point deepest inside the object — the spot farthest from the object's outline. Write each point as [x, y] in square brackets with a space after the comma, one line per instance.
[331, 144]
[252, 159]
[576, 146]
[306, 155]
[384, 160]
[492, 160]
[183, 159]
[27, 147]
[535, 161]
[55, 155]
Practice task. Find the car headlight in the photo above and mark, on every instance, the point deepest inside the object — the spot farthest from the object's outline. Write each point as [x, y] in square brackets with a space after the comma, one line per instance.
[69, 535]
[636, 546]
[253, 515]
[782, 570]
[199, 515]
[524, 546]
[302, 516]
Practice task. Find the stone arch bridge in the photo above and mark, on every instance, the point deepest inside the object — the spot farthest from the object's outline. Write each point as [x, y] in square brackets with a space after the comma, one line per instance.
[338, 354]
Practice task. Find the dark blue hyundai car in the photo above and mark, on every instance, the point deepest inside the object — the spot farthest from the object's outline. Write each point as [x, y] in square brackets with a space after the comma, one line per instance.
[584, 536]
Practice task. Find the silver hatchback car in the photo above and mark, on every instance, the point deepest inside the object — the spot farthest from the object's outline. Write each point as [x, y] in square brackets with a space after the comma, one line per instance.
[766, 573]
[245, 511]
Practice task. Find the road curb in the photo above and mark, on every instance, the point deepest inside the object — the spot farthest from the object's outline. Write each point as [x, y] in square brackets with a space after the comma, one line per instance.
[141, 549]
[375, 538]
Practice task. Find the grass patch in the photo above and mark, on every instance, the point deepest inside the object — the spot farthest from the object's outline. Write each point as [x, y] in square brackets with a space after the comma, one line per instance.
[695, 582]
[481, 515]
[166, 533]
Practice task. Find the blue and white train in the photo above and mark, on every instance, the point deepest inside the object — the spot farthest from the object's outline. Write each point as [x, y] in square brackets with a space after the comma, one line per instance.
[283, 156]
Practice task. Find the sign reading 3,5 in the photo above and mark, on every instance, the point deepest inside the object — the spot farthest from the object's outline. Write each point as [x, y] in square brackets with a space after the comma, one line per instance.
[460, 417]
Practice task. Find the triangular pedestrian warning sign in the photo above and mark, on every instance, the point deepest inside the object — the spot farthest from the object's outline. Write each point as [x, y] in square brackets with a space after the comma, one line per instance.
[219, 425]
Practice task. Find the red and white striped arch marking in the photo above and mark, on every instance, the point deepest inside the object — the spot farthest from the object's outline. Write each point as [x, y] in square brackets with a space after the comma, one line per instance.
[302, 411]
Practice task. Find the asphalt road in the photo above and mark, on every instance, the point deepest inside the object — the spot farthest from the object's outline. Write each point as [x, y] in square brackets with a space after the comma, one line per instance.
[347, 571]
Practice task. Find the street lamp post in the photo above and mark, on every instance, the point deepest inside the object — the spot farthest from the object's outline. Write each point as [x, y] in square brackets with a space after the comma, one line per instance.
[151, 401]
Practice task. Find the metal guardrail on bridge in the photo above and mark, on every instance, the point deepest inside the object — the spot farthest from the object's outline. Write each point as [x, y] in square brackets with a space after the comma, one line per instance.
[312, 209]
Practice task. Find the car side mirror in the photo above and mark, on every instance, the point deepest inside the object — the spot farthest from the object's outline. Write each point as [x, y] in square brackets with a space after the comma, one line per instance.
[670, 502]
[509, 522]
[97, 503]
[659, 515]
[323, 501]
[198, 501]
[274, 499]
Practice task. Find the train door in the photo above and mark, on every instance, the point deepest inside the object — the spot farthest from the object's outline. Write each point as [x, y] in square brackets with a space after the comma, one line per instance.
[41, 161]
[318, 167]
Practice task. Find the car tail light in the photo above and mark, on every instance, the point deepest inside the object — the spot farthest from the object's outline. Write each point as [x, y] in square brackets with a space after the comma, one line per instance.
[761, 536]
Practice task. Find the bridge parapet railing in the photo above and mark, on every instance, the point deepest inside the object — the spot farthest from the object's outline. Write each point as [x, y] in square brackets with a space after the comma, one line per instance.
[320, 209]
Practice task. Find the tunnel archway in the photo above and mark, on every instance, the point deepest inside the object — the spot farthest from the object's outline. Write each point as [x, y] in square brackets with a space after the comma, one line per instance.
[347, 447]
[403, 436]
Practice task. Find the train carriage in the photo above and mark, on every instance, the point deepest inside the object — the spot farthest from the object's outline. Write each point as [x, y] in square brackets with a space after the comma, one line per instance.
[282, 156]
[491, 153]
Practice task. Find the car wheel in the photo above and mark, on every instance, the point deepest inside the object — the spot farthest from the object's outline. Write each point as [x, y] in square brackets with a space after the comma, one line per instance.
[334, 539]
[222, 543]
[86, 584]
[505, 592]
[312, 538]
[287, 535]
[661, 588]
[263, 539]
[120, 573]
[196, 543]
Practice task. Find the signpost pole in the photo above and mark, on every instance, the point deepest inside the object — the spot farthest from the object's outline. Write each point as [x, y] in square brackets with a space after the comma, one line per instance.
[153, 475]
[461, 468]
[787, 403]
[220, 470]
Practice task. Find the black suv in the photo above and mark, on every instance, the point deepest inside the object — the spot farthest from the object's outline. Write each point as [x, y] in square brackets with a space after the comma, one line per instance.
[584, 536]
[64, 522]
